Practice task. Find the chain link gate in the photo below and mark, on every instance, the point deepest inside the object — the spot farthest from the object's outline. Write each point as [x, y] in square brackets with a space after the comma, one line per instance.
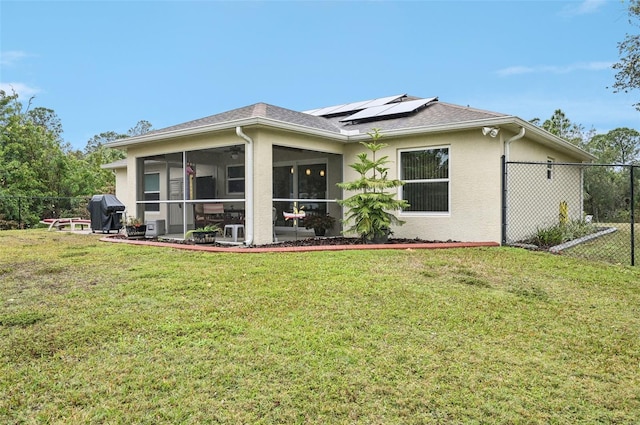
[583, 210]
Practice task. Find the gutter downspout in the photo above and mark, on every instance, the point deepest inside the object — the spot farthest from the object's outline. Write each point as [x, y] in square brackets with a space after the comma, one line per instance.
[505, 159]
[249, 186]
[512, 139]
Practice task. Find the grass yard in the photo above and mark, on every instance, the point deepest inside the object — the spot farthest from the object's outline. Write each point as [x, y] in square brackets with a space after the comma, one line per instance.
[92, 332]
[614, 247]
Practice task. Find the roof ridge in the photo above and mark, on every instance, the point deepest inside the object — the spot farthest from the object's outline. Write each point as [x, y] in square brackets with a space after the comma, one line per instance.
[306, 119]
[438, 113]
[469, 108]
[259, 109]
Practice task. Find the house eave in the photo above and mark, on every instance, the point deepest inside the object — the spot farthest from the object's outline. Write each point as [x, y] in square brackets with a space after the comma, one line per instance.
[509, 122]
[543, 136]
[227, 125]
[121, 163]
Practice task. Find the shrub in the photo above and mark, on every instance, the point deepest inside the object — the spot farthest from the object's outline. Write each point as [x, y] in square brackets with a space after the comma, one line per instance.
[560, 233]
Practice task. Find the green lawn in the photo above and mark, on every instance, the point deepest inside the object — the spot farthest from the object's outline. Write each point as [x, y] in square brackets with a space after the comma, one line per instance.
[92, 332]
[614, 247]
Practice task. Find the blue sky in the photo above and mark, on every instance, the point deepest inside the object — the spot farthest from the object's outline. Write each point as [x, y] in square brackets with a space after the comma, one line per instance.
[105, 65]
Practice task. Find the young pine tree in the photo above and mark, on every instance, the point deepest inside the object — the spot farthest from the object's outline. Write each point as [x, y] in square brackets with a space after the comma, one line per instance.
[370, 209]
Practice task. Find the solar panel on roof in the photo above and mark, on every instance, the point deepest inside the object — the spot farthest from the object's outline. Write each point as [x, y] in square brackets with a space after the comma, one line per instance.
[369, 112]
[384, 100]
[353, 106]
[350, 107]
[389, 109]
[324, 111]
[410, 106]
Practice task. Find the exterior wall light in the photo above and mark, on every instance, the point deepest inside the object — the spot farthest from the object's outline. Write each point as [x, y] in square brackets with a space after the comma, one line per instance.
[491, 131]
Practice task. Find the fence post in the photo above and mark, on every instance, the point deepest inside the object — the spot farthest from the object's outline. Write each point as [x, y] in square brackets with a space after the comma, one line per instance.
[503, 229]
[632, 218]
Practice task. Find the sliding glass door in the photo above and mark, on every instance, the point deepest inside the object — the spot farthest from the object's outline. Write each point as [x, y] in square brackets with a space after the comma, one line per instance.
[299, 184]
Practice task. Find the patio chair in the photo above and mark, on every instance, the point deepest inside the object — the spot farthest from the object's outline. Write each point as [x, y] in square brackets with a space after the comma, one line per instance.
[205, 214]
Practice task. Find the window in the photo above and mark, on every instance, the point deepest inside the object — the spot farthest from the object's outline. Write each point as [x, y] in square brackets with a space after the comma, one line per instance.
[235, 179]
[152, 191]
[550, 162]
[425, 173]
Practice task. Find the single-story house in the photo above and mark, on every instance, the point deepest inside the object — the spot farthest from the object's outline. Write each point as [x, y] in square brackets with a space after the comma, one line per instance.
[252, 165]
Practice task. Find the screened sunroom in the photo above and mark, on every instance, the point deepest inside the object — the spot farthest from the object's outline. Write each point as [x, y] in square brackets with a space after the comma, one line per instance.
[192, 189]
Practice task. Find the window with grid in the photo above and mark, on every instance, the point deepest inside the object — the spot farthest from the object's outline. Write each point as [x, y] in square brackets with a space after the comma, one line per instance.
[425, 173]
[235, 179]
[152, 191]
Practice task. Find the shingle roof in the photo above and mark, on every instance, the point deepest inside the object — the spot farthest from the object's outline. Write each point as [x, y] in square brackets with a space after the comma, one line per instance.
[434, 114]
[257, 110]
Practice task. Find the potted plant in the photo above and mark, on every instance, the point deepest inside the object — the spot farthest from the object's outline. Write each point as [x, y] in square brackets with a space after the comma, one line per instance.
[320, 223]
[370, 207]
[206, 234]
[135, 227]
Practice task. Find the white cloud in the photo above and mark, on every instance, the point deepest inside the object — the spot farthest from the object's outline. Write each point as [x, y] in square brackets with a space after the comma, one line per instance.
[24, 91]
[515, 70]
[583, 8]
[554, 69]
[11, 57]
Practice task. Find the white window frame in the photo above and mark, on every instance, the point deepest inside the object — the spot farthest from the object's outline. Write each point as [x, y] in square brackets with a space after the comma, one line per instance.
[550, 162]
[447, 180]
[145, 192]
[235, 179]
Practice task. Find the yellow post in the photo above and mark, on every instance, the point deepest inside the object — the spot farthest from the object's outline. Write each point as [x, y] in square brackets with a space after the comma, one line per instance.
[564, 213]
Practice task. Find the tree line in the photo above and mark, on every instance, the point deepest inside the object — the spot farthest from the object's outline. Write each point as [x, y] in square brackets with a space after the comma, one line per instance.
[38, 169]
[37, 165]
[607, 190]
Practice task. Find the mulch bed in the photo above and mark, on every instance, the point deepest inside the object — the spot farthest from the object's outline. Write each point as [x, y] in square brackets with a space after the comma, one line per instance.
[300, 245]
[344, 241]
[318, 241]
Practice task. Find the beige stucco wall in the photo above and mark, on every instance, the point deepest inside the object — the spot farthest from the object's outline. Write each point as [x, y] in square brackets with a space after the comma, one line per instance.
[474, 165]
[122, 188]
[474, 192]
[533, 199]
[262, 187]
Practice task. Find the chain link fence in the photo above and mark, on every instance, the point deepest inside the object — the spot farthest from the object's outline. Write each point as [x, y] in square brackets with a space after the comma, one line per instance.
[584, 210]
[19, 212]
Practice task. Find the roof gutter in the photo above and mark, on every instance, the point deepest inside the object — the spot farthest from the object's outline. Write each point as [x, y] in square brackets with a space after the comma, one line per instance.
[348, 136]
[249, 186]
[511, 121]
[203, 129]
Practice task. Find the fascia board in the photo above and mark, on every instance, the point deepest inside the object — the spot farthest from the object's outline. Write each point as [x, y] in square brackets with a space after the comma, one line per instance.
[443, 128]
[540, 134]
[513, 122]
[545, 137]
[151, 138]
[122, 163]
[227, 125]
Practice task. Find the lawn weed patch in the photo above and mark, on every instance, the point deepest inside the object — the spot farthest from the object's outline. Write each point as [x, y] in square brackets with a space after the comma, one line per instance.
[21, 318]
